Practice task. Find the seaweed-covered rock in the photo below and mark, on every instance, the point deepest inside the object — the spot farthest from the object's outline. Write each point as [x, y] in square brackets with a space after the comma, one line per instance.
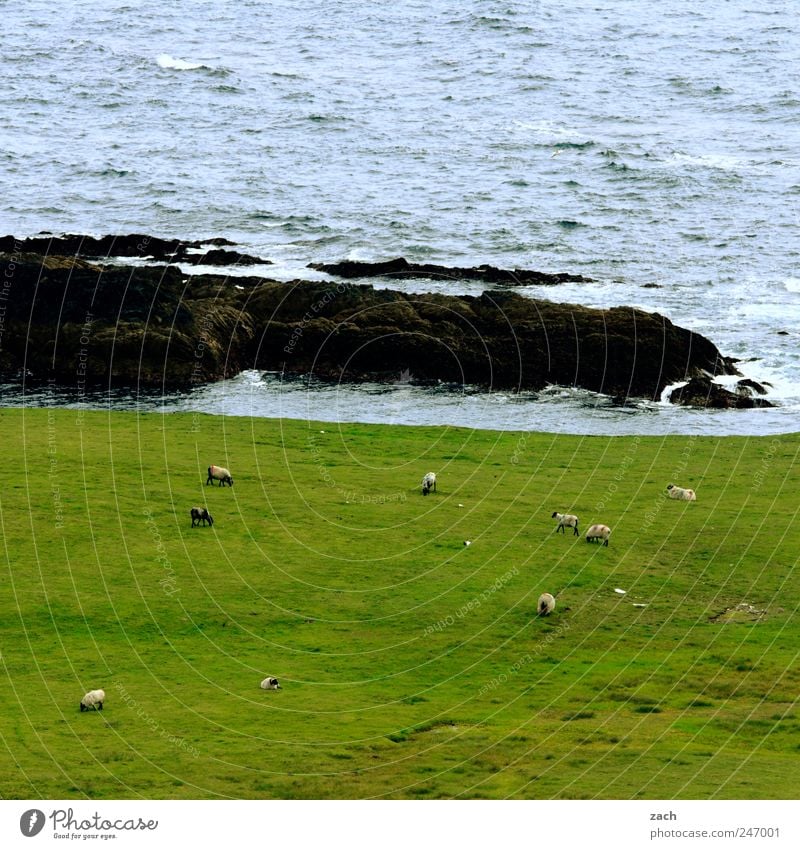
[75, 322]
[497, 339]
[401, 267]
[703, 392]
[63, 317]
[133, 245]
[747, 387]
[219, 256]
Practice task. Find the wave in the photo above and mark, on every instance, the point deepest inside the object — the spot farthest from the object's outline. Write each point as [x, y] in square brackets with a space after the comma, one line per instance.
[170, 63]
[554, 135]
[716, 161]
[286, 73]
[567, 145]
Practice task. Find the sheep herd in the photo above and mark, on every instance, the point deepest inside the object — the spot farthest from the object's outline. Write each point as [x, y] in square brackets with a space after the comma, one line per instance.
[598, 533]
[200, 515]
[93, 700]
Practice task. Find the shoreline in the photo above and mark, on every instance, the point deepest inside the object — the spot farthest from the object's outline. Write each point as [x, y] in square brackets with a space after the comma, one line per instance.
[605, 427]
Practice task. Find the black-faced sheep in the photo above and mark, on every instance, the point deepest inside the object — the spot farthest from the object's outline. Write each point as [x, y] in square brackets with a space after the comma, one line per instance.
[597, 533]
[681, 494]
[200, 515]
[270, 683]
[566, 520]
[93, 700]
[547, 604]
[217, 473]
[429, 483]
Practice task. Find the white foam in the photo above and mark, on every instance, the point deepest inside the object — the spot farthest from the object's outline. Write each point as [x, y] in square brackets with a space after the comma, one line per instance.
[710, 160]
[271, 225]
[792, 284]
[132, 261]
[168, 62]
[223, 270]
[668, 390]
[727, 381]
[552, 133]
[360, 255]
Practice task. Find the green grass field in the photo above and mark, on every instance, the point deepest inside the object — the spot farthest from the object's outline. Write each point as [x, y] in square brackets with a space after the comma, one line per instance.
[412, 666]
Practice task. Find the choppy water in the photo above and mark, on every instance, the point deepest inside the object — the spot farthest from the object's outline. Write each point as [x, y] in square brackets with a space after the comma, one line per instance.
[638, 143]
[555, 410]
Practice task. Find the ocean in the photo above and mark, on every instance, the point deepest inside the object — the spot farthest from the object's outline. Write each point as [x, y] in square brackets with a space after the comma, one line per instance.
[654, 147]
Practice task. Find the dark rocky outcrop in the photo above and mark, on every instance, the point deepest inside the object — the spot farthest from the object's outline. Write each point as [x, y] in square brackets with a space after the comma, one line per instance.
[747, 387]
[226, 257]
[132, 245]
[65, 319]
[496, 340]
[703, 392]
[400, 267]
[71, 320]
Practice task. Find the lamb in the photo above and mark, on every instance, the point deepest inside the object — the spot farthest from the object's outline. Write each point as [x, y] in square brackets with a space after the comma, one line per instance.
[217, 473]
[681, 494]
[547, 604]
[270, 683]
[428, 483]
[93, 700]
[200, 514]
[598, 532]
[566, 520]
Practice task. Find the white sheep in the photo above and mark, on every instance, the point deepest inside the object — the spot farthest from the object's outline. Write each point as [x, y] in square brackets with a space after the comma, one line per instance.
[429, 483]
[598, 532]
[200, 514]
[566, 520]
[270, 683]
[547, 604]
[217, 473]
[93, 700]
[681, 494]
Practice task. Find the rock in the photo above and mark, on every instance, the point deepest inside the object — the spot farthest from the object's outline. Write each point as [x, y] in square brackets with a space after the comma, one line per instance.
[746, 387]
[495, 340]
[82, 324]
[703, 392]
[744, 612]
[400, 267]
[226, 257]
[70, 320]
[132, 245]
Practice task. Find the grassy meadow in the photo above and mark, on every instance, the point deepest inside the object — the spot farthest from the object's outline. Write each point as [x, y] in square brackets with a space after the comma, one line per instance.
[412, 666]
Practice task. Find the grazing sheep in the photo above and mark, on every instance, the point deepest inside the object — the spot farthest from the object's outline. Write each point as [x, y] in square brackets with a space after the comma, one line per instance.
[93, 700]
[270, 683]
[566, 520]
[217, 473]
[200, 514]
[681, 494]
[547, 604]
[429, 483]
[598, 532]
